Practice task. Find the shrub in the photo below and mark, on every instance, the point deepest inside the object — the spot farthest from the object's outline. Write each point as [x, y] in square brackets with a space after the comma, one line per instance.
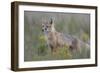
[62, 53]
[42, 47]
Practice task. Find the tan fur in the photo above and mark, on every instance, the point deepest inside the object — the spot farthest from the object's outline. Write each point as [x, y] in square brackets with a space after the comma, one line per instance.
[55, 40]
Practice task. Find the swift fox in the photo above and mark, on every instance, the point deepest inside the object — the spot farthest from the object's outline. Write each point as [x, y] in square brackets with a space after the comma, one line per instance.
[56, 39]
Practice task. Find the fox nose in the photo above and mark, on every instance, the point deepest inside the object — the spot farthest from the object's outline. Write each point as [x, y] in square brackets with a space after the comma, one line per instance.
[42, 30]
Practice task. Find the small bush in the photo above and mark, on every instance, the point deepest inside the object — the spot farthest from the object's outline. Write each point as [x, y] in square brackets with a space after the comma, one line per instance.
[62, 53]
[42, 48]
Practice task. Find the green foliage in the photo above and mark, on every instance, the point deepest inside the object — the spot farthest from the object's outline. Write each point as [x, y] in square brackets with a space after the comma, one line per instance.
[85, 37]
[42, 48]
[62, 53]
[45, 53]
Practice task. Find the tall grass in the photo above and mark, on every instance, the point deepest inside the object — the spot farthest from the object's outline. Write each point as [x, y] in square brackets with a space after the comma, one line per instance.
[35, 47]
[44, 53]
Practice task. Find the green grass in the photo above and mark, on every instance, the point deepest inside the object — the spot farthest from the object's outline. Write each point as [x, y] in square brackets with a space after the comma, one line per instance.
[35, 48]
[44, 53]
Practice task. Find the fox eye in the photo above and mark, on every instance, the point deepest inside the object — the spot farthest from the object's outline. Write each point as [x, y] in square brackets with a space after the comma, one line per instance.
[42, 25]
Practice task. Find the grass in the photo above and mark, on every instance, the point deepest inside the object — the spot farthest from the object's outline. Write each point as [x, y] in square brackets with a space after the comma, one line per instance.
[44, 53]
[35, 47]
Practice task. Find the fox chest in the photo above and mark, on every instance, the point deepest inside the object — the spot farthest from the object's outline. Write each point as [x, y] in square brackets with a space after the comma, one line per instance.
[52, 40]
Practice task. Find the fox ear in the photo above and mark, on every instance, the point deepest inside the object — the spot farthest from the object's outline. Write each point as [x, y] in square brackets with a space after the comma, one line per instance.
[51, 21]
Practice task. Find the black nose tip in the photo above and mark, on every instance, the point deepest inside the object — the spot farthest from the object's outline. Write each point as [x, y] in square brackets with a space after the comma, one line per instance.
[42, 30]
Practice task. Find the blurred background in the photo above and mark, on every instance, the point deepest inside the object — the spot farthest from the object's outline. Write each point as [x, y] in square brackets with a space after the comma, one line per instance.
[74, 24]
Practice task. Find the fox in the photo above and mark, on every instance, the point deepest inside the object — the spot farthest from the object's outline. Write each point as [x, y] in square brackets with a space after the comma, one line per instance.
[57, 39]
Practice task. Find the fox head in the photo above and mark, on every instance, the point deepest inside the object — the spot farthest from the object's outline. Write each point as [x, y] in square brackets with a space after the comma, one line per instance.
[48, 26]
